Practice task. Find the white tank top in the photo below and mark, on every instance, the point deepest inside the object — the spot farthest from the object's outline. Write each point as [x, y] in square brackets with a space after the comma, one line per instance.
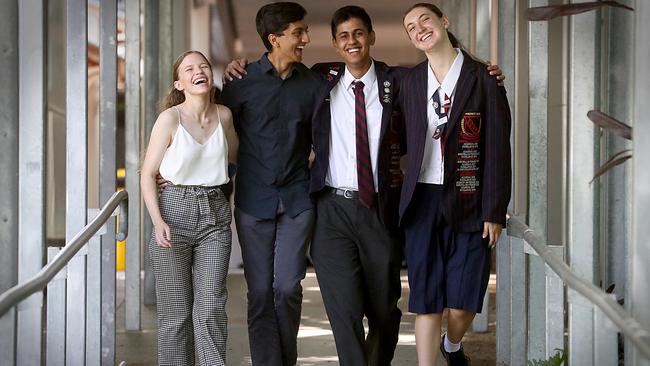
[186, 162]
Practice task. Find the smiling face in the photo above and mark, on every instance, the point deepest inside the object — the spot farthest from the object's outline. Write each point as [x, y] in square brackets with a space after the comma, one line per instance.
[352, 41]
[194, 75]
[425, 29]
[290, 44]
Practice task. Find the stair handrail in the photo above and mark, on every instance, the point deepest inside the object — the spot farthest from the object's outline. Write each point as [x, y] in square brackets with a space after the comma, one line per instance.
[629, 326]
[38, 282]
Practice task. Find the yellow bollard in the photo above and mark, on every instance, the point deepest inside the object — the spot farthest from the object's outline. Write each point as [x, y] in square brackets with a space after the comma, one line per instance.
[120, 246]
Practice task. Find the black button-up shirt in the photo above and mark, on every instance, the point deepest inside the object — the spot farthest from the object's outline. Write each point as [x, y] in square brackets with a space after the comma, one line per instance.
[273, 119]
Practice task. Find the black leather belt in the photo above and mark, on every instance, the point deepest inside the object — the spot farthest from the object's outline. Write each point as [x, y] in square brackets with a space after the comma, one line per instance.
[345, 193]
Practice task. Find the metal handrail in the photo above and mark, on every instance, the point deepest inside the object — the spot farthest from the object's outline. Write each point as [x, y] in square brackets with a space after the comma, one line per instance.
[639, 336]
[18, 293]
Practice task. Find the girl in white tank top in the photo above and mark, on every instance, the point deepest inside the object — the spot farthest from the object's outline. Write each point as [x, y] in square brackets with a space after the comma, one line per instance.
[188, 162]
[191, 144]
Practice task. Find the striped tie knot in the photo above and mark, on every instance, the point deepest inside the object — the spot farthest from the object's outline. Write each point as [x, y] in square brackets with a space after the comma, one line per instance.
[358, 85]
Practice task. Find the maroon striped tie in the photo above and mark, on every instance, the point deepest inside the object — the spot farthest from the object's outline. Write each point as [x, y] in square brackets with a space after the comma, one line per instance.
[364, 165]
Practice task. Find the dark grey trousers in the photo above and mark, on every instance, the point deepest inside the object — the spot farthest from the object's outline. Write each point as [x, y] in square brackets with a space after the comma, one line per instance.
[274, 256]
[358, 263]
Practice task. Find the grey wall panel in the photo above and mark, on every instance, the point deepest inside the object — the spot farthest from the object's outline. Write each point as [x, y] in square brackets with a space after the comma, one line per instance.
[639, 271]
[31, 217]
[8, 165]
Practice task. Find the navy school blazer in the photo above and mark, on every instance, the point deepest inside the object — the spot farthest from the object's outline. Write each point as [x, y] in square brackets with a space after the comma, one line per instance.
[391, 146]
[477, 171]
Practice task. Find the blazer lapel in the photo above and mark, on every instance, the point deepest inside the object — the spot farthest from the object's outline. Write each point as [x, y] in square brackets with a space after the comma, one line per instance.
[386, 98]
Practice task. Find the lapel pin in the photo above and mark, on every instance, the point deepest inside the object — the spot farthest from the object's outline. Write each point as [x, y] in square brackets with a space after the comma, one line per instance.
[334, 72]
[386, 83]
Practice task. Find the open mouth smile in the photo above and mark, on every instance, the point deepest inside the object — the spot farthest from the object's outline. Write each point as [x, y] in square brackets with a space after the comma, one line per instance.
[425, 37]
[200, 80]
[354, 50]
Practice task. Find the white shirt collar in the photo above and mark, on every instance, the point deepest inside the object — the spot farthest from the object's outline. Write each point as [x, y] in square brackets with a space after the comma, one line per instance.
[368, 78]
[449, 83]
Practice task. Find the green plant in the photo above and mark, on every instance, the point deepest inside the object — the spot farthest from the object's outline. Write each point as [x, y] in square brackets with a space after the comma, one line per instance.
[558, 359]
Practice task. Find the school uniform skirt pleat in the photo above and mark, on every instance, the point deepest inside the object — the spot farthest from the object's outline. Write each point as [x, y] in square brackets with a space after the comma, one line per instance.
[446, 268]
[191, 276]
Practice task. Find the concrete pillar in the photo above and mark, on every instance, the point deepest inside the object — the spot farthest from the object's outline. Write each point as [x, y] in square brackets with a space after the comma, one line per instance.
[538, 173]
[459, 13]
[107, 165]
[639, 254]
[582, 232]
[152, 98]
[511, 292]
[76, 175]
[166, 56]
[556, 155]
[199, 29]
[483, 29]
[506, 44]
[616, 100]
[133, 141]
[31, 195]
[180, 34]
[8, 165]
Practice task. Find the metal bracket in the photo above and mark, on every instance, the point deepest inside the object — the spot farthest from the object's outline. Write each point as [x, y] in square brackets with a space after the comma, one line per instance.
[515, 225]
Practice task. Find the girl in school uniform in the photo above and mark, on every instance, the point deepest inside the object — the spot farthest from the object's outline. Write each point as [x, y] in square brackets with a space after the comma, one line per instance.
[457, 183]
[191, 144]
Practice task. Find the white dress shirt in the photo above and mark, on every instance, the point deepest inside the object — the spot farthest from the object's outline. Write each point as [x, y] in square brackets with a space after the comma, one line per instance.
[432, 170]
[342, 172]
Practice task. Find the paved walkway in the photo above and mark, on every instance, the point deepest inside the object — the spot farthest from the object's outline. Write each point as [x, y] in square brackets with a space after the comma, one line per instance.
[315, 341]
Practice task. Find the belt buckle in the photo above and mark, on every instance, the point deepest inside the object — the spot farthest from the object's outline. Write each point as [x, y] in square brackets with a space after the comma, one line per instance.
[348, 193]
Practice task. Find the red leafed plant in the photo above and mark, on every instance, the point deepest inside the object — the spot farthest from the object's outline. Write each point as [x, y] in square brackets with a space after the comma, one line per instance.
[616, 127]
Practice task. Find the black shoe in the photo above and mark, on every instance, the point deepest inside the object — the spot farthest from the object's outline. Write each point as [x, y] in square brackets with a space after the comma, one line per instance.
[457, 358]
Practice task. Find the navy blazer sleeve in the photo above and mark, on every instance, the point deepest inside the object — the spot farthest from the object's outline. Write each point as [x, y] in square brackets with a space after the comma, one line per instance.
[497, 173]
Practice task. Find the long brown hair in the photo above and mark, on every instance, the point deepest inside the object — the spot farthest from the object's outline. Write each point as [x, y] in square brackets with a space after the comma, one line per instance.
[438, 12]
[175, 96]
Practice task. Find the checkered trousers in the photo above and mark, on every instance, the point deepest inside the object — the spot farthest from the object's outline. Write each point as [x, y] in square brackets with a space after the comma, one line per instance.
[191, 276]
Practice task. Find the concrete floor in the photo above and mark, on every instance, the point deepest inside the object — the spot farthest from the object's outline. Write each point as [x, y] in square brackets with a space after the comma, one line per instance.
[315, 341]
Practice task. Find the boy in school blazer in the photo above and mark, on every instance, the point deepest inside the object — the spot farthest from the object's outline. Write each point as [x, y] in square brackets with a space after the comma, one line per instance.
[392, 138]
[357, 250]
